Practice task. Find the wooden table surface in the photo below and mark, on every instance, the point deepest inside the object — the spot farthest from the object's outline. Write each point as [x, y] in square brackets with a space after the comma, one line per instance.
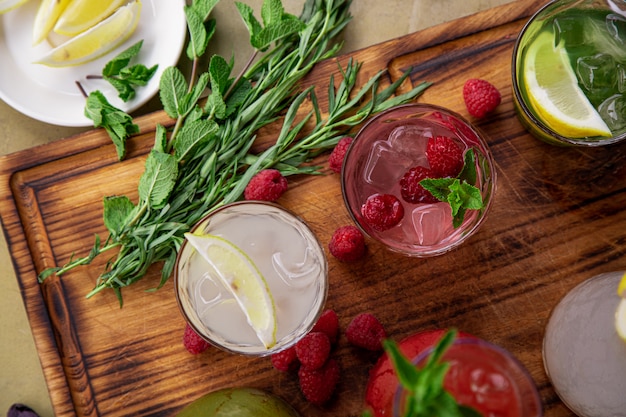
[554, 223]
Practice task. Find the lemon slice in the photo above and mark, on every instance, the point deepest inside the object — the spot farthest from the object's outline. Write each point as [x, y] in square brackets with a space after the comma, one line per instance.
[80, 15]
[621, 287]
[554, 93]
[47, 14]
[6, 5]
[242, 278]
[97, 41]
[620, 319]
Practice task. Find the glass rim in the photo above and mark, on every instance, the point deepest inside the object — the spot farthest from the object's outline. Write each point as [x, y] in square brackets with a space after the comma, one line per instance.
[424, 252]
[591, 141]
[278, 347]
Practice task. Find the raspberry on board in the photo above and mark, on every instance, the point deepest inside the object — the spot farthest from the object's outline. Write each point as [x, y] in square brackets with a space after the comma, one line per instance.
[335, 160]
[445, 157]
[382, 211]
[266, 185]
[410, 188]
[313, 350]
[193, 342]
[481, 97]
[318, 385]
[366, 331]
[347, 244]
[286, 360]
[328, 323]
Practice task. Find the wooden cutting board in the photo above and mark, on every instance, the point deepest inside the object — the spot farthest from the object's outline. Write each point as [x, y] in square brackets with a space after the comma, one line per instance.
[557, 220]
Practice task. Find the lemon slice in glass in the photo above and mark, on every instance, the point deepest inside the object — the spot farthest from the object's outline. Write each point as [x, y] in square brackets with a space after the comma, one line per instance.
[241, 277]
[97, 41]
[47, 14]
[80, 15]
[6, 5]
[554, 93]
[620, 314]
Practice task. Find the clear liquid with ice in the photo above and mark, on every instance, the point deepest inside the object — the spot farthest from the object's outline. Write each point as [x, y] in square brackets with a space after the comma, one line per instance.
[286, 253]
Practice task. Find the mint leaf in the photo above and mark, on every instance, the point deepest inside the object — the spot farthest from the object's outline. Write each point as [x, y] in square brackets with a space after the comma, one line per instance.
[278, 24]
[193, 134]
[157, 181]
[123, 78]
[425, 393]
[116, 210]
[117, 123]
[173, 89]
[459, 192]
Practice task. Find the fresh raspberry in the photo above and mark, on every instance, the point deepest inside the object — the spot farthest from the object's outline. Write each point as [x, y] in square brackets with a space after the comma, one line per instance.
[285, 360]
[410, 188]
[445, 157]
[481, 97]
[347, 244]
[193, 342]
[318, 385]
[266, 185]
[335, 160]
[313, 350]
[366, 331]
[328, 323]
[382, 211]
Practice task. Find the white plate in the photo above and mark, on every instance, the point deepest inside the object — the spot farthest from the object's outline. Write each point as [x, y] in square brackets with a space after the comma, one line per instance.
[51, 94]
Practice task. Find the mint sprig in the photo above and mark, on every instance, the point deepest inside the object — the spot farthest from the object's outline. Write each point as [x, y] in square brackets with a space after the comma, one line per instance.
[459, 192]
[425, 393]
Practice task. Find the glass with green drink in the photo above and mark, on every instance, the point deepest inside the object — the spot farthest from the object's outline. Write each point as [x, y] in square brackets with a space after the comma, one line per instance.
[569, 73]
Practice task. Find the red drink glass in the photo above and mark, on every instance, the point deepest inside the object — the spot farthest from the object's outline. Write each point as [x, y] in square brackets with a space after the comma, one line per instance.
[486, 377]
[385, 148]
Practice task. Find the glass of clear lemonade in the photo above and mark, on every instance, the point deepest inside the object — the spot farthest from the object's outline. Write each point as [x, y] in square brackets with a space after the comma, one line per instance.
[569, 73]
[251, 278]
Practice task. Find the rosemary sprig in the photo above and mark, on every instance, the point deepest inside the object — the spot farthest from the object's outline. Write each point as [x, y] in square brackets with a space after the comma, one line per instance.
[205, 160]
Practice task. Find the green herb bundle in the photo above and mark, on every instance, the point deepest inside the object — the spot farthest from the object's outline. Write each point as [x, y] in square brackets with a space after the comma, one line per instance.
[205, 160]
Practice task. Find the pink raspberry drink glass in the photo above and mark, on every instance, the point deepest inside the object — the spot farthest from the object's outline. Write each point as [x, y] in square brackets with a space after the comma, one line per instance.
[384, 150]
[485, 377]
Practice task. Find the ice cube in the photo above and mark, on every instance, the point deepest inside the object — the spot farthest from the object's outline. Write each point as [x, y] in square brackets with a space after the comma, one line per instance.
[569, 30]
[616, 26]
[410, 140]
[208, 293]
[294, 272]
[491, 388]
[598, 75]
[613, 111]
[430, 223]
[390, 158]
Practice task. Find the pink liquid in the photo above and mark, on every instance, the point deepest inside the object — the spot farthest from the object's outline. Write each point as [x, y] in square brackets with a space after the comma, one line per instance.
[381, 154]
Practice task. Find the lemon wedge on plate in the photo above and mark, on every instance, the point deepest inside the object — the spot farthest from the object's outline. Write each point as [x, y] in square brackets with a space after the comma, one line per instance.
[80, 15]
[238, 273]
[47, 14]
[97, 41]
[620, 314]
[6, 5]
[554, 93]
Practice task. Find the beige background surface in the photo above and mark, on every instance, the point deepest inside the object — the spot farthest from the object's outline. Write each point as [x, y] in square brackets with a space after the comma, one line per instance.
[21, 378]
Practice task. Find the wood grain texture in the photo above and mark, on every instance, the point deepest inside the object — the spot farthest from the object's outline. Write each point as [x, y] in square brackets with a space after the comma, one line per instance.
[554, 223]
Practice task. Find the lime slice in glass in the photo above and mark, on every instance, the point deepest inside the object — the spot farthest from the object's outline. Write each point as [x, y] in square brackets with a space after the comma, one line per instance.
[241, 277]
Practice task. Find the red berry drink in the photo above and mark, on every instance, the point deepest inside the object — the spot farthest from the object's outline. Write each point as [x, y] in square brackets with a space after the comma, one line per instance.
[384, 167]
[485, 377]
